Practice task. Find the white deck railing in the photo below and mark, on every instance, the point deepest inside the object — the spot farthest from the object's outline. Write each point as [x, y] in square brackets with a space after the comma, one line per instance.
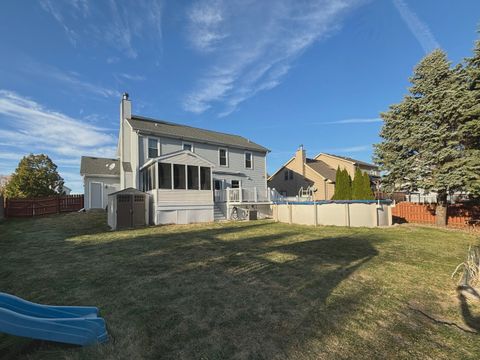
[241, 195]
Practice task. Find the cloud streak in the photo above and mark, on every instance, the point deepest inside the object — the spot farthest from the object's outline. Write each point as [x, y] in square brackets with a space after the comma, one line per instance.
[28, 127]
[417, 27]
[109, 22]
[352, 121]
[254, 45]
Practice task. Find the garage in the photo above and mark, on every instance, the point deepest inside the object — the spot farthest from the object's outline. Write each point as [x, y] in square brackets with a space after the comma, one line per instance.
[128, 208]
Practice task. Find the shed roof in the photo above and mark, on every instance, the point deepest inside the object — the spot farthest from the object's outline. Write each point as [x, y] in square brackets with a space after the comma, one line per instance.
[169, 129]
[90, 165]
[129, 190]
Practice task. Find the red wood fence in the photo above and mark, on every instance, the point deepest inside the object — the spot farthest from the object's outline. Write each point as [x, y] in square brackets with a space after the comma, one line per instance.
[458, 215]
[43, 206]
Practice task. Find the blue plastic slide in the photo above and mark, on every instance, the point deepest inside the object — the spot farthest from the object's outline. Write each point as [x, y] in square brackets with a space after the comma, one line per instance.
[79, 325]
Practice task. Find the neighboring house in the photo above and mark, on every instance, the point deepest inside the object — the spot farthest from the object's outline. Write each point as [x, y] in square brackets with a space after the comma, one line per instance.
[66, 190]
[191, 174]
[318, 174]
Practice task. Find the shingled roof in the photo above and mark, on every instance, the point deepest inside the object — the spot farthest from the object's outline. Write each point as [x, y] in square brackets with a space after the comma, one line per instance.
[322, 168]
[99, 166]
[168, 129]
[359, 162]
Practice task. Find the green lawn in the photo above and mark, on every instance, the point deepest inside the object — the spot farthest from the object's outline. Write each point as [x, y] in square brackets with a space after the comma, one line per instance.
[249, 290]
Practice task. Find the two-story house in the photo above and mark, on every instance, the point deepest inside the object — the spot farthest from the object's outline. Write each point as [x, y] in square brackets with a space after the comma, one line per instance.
[192, 174]
[318, 173]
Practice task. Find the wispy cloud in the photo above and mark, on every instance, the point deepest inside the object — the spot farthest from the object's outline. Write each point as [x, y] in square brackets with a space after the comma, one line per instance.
[349, 149]
[254, 45]
[69, 79]
[132, 77]
[418, 28]
[207, 26]
[114, 23]
[352, 121]
[28, 127]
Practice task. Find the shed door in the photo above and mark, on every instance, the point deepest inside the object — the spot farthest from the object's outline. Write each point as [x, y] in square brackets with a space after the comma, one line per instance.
[138, 210]
[96, 195]
[124, 211]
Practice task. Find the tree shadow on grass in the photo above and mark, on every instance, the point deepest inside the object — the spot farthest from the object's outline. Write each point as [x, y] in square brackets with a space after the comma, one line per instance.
[258, 289]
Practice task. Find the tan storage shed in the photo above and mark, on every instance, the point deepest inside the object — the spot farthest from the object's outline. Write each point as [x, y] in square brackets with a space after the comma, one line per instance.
[128, 208]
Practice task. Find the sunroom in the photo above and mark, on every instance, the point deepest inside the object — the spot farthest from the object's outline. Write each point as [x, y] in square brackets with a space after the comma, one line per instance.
[180, 185]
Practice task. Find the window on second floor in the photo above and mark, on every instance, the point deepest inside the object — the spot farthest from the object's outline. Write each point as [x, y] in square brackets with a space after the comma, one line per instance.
[248, 160]
[188, 146]
[153, 148]
[223, 157]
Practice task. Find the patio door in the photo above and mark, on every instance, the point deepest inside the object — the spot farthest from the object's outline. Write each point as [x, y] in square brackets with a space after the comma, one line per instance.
[218, 190]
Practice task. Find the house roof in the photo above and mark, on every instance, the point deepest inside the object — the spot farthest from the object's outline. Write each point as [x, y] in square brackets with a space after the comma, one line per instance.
[355, 161]
[99, 166]
[322, 168]
[179, 131]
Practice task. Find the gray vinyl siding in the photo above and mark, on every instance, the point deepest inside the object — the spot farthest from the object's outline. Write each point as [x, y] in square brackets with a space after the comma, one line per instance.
[250, 178]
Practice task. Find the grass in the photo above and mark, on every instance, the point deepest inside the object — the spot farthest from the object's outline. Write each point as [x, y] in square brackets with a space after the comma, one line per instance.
[249, 290]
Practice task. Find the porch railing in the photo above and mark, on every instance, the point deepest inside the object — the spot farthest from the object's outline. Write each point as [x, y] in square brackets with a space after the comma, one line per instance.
[239, 195]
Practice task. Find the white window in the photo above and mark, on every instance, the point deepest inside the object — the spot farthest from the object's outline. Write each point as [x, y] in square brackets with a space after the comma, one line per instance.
[223, 157]
[188, 146]
[248, 160]
[235, 184]
[153, 148]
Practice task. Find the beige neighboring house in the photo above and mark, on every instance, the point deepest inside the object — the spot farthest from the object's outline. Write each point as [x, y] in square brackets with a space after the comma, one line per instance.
[302, 173]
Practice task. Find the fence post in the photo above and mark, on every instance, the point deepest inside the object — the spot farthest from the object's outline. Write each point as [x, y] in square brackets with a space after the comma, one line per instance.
[315, 212]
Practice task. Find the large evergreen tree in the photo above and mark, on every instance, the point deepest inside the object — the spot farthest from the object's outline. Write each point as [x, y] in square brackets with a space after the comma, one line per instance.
[367, 192]
[357, 185]
[423, 144]
[35, 176]
[343, 190]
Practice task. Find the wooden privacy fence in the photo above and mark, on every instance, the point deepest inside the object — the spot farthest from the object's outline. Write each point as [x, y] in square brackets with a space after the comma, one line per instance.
[2, 207]
[458, 215]
[43, 206]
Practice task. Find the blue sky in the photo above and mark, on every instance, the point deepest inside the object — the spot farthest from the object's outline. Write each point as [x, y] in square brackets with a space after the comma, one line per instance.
[282, 73]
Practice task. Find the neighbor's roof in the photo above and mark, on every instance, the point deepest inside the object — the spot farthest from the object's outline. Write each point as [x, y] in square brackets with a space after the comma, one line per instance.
[99, 166]
[359, 162]
[322, 168]
[169, 129]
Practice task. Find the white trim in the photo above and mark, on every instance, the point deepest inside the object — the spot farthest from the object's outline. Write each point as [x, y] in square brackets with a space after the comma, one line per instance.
[90, 193]
[188, 143]
[245, 160]
[226, 156]
[164, 158]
